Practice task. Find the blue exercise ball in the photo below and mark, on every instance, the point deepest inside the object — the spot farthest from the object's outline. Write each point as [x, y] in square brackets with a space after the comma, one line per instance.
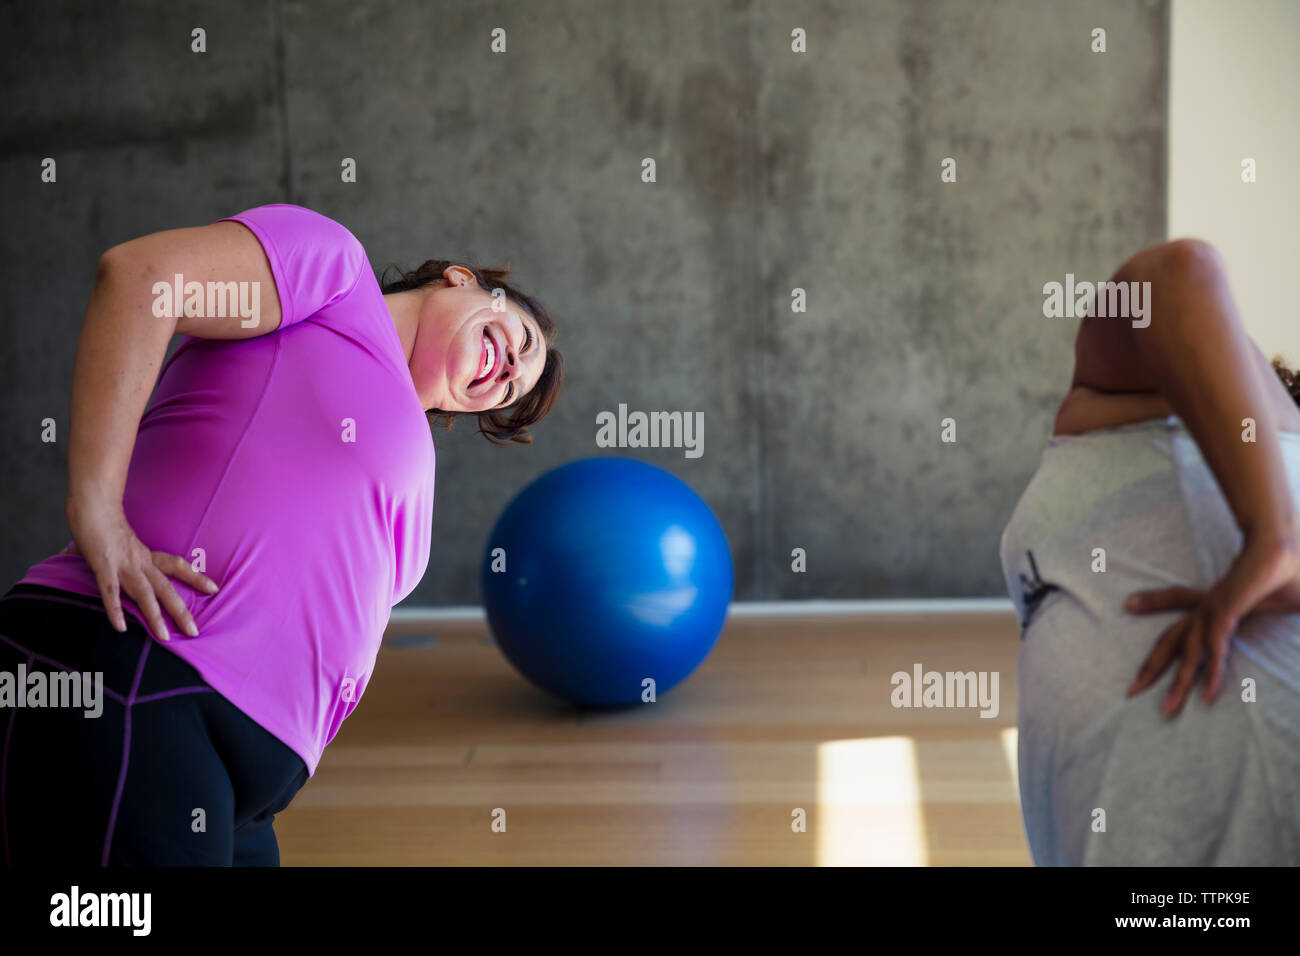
[604, 573]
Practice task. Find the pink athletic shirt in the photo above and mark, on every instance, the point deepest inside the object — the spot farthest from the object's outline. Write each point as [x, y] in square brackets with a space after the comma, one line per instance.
[301, 463]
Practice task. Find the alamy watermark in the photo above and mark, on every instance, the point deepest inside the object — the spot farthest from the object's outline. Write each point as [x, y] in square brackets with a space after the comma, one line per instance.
[218, 300]
[635, 429]
[1118, 300]
[946, 689]
[38, 688]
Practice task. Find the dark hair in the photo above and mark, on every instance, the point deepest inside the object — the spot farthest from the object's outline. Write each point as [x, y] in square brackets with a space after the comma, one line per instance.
[497, 425]
[1289, 378]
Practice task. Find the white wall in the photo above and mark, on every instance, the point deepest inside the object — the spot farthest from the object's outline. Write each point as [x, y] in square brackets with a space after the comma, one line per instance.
[1234, 92]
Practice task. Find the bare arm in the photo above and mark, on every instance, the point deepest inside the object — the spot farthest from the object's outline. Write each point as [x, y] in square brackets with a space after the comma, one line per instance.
[1195, 357]
[120, 351]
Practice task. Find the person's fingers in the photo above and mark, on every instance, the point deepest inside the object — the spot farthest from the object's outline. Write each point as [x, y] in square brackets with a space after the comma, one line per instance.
[1218, 643]
[1218, 656]
[1164, 651]
[139, 586]
[110, 593]
[1162, 599]
[177, 567]
[1192, 649]
[171, 601]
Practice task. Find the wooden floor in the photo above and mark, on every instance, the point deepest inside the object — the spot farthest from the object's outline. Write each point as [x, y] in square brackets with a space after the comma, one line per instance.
[785, 715]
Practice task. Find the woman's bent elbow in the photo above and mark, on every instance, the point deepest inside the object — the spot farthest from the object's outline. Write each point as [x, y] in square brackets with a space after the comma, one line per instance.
[1178, 260]
[1191, 259]
[110, 261]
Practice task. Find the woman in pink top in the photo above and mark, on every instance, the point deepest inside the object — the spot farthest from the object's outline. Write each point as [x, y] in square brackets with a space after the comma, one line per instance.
[259, 522]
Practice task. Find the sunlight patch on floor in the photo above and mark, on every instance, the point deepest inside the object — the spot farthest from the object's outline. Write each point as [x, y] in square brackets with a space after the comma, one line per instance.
[869, 803]
[1010, 745]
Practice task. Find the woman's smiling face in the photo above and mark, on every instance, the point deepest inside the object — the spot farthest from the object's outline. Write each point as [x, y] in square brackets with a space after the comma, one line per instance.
[474, 350]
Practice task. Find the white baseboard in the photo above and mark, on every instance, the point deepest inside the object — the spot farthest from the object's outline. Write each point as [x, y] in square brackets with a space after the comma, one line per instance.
[871, 607]
[471, 614]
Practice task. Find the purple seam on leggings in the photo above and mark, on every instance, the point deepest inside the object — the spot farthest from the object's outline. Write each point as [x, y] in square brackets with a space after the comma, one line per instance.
[63, 667]
[4, 778]
[126, 752]
[32, 657]
[174, 692]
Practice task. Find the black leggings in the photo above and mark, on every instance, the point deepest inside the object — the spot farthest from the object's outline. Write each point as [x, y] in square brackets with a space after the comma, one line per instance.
[169, 773]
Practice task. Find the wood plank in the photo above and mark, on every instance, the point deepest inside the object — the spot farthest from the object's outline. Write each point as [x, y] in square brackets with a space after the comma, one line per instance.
[785, 716]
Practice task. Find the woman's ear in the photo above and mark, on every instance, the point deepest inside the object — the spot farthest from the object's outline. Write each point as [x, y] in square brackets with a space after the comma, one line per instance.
[457, 275]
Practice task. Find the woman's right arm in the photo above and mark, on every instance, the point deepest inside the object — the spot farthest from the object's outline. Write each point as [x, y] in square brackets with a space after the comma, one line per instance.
[1196, 356]
[120, 351]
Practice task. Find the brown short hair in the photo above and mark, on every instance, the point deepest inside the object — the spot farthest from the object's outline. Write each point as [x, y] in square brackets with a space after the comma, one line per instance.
[498, 425]
[1289, 378]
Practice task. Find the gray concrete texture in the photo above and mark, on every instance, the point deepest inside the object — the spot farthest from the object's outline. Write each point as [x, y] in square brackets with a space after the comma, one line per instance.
[775, 170]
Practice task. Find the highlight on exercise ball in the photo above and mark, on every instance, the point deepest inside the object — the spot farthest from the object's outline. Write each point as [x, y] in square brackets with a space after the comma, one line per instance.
[607, 580]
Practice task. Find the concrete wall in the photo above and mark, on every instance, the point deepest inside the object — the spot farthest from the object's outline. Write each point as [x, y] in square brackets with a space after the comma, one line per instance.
[775, 170]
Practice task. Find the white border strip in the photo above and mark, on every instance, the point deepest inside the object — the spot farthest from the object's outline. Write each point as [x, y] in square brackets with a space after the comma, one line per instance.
[871, 608]
[760, 609]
